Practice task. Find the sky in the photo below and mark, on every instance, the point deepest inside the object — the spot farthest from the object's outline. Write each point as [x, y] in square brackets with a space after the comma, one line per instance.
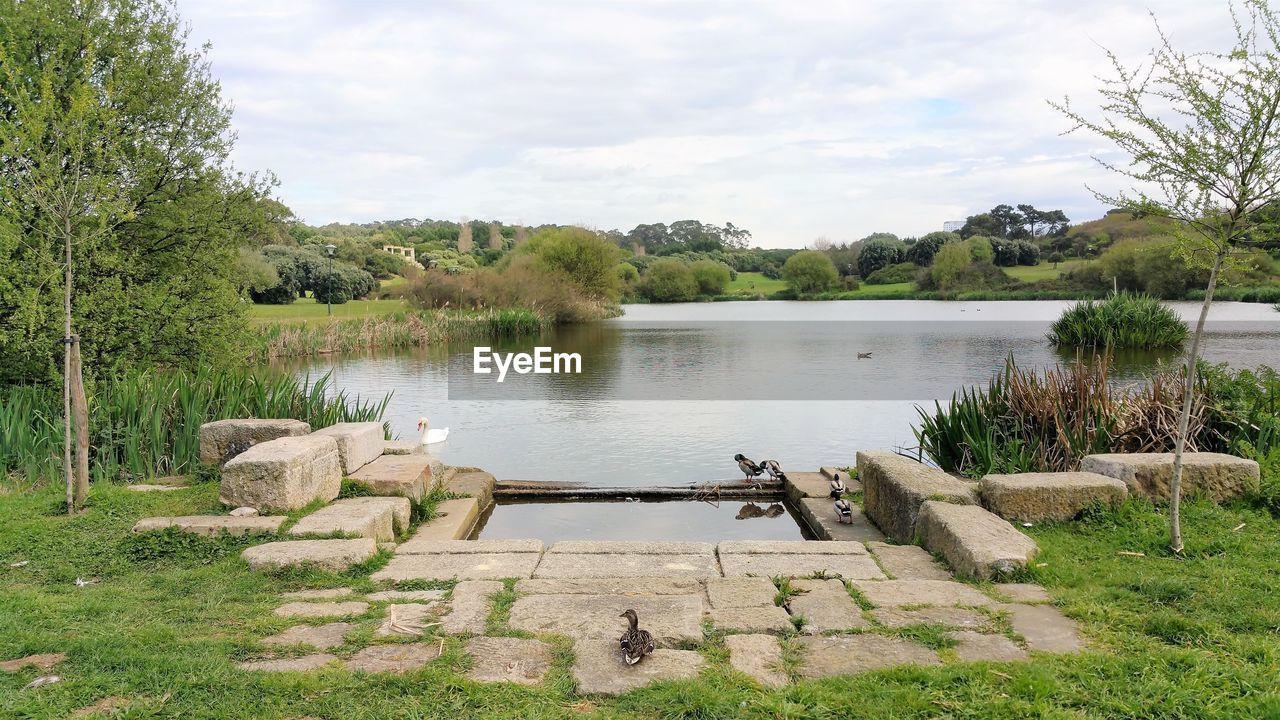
[795, 119]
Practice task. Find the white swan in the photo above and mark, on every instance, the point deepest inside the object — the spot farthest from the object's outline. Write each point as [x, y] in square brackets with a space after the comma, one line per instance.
[429, 436]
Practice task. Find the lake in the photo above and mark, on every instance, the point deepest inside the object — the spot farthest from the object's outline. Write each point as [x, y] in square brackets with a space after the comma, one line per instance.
[669, 393]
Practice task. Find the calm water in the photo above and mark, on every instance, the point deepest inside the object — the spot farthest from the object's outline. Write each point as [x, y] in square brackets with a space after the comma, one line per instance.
[687, 520]
[669, 393]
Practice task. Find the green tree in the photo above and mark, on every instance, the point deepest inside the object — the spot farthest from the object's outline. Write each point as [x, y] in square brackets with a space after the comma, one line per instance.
[588, 260]
[809, 271]
[669, 280]
[1202, 134]
[980, 250]
[156, 247]
[947, 264]
[712, 277]
[922, 251]
[878, 253]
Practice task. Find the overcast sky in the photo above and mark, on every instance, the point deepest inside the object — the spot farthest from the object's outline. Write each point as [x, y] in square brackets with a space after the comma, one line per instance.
[796, 119]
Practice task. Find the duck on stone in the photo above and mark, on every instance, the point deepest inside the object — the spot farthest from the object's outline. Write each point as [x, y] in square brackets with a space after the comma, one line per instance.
[774, 469]
[844, 512]
[635, 643]
[837, 487]
[748, 467]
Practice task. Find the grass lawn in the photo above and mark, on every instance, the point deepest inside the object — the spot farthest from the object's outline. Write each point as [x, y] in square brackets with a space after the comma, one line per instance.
[754, 283]
[1043, 271]
[168, 616]
[307, 310]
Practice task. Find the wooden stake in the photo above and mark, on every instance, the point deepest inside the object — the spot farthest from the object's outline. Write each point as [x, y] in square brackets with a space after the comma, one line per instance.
[80, 409]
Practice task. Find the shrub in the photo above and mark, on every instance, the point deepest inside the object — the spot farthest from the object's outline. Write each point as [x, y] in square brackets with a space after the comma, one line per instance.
[712, 277]
[581, 256]
[980, 250]
[878, 253]
[669, 280]
[810, 271]
[922, 251]
[1121, 321]
[899, 273]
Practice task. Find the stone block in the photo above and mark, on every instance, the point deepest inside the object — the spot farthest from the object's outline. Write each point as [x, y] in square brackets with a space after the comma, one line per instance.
[949, 617]
[321, 637]
[405, 596]
[324, 554]
[974, 541]
[758, 657]
[222, 440]
[1029, 593]
[848, 566]
[1044, 628]
[1214, 476]
[469, 606]
[457, 566]
[802, 485]
[286, 473]
[740, 592]
[564, 565]
[763, 619]
[321, 610]
[398, 658]
[789, 547]
[853, 654]
[908, 562]
[475, 483]
[820, 515]
[371, 517]
[629, 547]
[894, 488]
[323, 594]
[359, 443]
[825, 605]
[299, 664]
[403, 475]
[523, 661]
[978, 647]
[453, 521]
[899, 593]
[672, 619]
[599, 669]
[1048, 496]
[214, 525]
[404, 447]
[423, 546]
[611, 586]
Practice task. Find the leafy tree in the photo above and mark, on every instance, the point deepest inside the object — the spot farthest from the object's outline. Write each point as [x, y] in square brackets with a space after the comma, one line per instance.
[877, 253]
[947, 264]
[669, 280]
[982, 224]
[1202, 133]
[712, 277]
[921, 252]
[588, 260]
[809, 271]
[1055, 258]
[1010, 221]
[980, 249]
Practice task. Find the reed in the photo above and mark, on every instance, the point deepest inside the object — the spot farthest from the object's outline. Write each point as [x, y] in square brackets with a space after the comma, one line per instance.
[1121, 321]
[146, 424]
[401, 330]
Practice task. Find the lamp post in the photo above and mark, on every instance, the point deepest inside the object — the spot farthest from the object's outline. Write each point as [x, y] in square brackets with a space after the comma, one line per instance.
[328, 281]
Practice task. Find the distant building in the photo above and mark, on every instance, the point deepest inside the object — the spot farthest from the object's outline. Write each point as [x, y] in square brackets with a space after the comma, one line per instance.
[407, 253]
[952, 225]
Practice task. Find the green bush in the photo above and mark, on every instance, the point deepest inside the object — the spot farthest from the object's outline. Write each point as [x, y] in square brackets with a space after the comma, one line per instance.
[879, 253]
[582, 256]
[1121, 321]
[713, 277]
[669, 280]
[899, 273]
[809, 271]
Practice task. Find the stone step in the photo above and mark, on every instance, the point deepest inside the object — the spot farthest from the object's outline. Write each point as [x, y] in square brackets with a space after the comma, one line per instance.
[758, 657]
[286, 473]
[1215, 476]
[212, 525]
[1048, 496]
[359, 443]
[379, 518]
[458, 566]
[820, 514]
[800, 485]
[673, 620]
[789, 547]
[324, 554]
[472, 483]
[974, 542]
[453, 521]
[618, 559]
[222, 440]
[403, 447]
[759, 619]
[422, 546]
[848, 566]
[825, 606]
[853, 654]
[407, 476]
[894, 488]
[598, 668]
[908, 562]
[902, 593]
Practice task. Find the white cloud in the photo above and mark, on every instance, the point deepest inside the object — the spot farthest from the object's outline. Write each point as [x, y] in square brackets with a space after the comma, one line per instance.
[793, 119]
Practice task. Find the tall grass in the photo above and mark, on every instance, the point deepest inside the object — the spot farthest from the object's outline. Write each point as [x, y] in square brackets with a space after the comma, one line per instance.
[1121, 321]
[401, 330]
[146, 424]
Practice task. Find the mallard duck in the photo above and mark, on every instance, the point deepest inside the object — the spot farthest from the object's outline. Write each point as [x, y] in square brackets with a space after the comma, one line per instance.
[844, 512]
[837, 487]
[774, 469]
[635, 643]
[748, 466]
[864, 356]
[748, 511]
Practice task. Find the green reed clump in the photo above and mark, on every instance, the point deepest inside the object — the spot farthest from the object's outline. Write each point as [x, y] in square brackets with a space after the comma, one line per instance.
[390, 332]
[1121, 321]
[146, 424]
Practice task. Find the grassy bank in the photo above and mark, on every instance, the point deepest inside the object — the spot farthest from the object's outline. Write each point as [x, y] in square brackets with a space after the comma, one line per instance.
[307, 310]
[391, 331]
[146, 425]
[166, 619]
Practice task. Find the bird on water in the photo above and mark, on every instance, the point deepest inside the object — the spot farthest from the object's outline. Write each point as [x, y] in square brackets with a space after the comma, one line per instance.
[635, 643]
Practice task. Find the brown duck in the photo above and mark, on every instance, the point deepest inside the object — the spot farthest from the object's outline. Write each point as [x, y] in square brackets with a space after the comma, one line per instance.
[635, 643]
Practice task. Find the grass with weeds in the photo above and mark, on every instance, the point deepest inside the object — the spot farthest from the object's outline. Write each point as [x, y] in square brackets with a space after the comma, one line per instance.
[1170, 637]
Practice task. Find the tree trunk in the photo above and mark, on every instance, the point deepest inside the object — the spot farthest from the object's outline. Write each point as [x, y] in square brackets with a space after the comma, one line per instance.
[66, 373]
[80, 407]
[1188, 392]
